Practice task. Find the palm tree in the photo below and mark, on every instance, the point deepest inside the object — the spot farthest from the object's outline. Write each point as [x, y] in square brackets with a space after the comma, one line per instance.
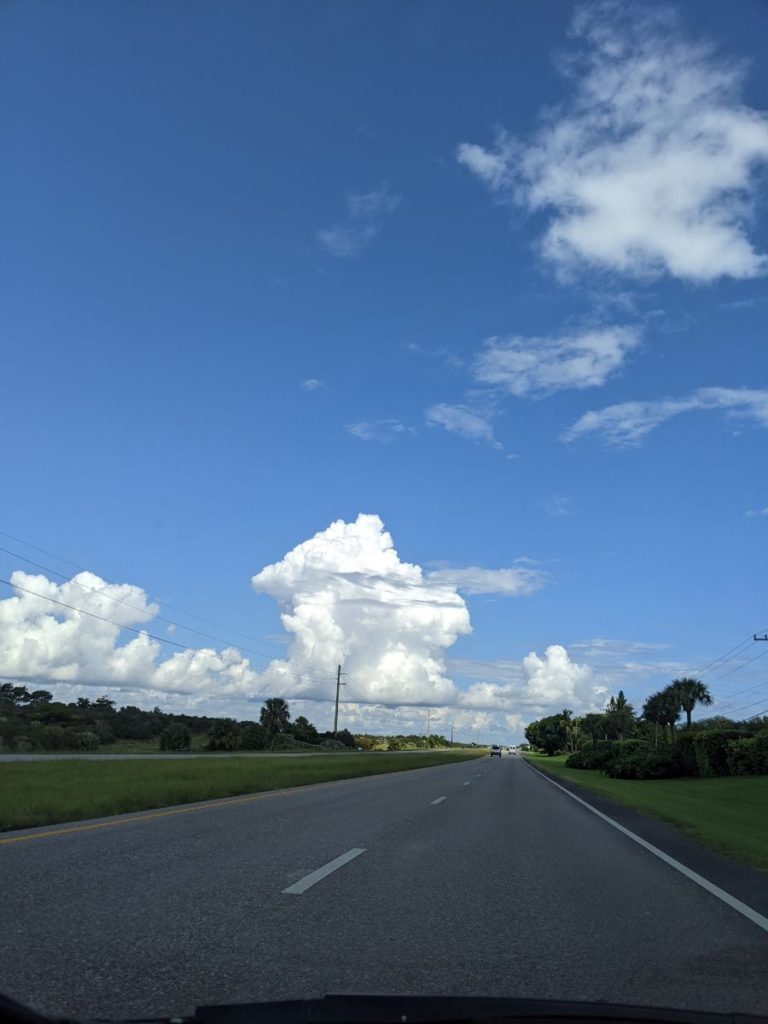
[566, 717]
[670, 709]
[663, 709]
[620, 716]
[652, 712]
[275, 715]
[594, 724]
[690, 692]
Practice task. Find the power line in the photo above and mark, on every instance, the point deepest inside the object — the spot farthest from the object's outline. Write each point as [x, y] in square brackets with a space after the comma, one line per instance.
[739, 667]
[730, 698]
[135, 607]
[93, 615]
[156, 600]
[132, 629]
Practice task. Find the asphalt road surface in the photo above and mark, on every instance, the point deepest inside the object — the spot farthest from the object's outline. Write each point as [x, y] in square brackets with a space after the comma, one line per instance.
[478, 878]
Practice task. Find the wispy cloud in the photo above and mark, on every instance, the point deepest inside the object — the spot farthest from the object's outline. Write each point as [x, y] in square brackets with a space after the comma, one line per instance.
[536, 367]
[757, 512]
[649, 168]
[628, 423]
[312, 384]
[465, 420]
[558, 505]
[382, 431]
[474, 580]
[365, 214]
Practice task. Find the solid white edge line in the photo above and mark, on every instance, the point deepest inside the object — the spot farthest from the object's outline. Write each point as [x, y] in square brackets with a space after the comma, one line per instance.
[316, 876]
[715, 890]
[438, 801]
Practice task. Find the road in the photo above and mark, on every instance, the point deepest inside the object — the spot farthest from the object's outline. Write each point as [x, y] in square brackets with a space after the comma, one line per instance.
[477, 878]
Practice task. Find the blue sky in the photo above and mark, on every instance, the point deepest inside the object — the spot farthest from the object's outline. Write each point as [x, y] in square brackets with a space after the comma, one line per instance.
[471, 227]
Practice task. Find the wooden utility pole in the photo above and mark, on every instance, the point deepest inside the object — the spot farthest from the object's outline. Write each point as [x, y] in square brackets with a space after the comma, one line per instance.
[336, 712]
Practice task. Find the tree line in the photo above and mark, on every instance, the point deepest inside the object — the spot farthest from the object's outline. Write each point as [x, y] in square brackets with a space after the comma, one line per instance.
[31, 720]
[652, 744]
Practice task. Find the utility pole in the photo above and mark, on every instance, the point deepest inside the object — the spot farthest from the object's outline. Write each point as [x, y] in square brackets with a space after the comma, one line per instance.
[451, 733]
[336, 712]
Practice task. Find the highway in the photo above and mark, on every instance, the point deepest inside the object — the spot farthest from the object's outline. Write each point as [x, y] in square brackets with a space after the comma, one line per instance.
[477, 878]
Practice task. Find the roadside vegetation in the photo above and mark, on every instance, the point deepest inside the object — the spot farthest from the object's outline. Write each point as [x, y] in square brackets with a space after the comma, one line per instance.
[623, 745]
[726, 814]
[36, 793]
[31, 721]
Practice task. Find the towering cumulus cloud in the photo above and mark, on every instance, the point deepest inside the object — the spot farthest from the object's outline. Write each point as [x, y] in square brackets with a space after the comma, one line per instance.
[347, 598]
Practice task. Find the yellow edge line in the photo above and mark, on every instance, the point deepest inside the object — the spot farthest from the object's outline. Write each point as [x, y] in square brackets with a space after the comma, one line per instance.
[207, 805]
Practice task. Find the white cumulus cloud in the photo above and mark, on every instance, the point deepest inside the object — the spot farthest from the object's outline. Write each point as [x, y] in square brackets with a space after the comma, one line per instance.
[536, 367]
[650, 166]
[541, 684]
[628, 423]
[312, 384]
[382, 431]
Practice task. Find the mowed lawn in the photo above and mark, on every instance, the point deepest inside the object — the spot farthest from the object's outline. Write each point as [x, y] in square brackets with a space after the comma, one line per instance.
[729, 815]
[45, 792]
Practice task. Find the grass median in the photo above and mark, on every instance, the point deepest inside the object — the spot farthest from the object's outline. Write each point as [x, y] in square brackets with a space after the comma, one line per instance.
[36, 793]
[725, 814]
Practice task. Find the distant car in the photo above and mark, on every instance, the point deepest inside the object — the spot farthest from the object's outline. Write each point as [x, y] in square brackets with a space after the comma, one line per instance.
[495, 751]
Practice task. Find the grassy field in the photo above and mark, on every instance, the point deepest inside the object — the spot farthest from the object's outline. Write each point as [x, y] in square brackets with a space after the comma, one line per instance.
[729, 815]
[45, 792]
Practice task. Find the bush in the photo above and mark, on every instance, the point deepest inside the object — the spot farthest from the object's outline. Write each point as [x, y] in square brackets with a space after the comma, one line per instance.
[83, 741]
[176, 737]
[224, 735]
[334, 745]
[103, 731]
[253, 736]
[52, 737]
[761, 751]
[684, 753]
[595, 759]
[741, 757]
[579, 759]
[638, 763]
[711, 747]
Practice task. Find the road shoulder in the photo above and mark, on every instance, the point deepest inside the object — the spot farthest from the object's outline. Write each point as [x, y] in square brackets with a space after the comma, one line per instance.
[745, 883]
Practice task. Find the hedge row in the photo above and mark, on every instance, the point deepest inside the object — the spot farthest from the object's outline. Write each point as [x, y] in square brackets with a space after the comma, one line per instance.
[705, 754]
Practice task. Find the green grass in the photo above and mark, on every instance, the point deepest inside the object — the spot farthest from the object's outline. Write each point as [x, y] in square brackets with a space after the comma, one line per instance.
[728, 815]
[45, 792]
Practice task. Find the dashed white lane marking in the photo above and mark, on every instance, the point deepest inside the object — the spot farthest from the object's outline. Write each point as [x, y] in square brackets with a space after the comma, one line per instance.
[466, 783]
[439, 800]
[715, 890]
[316, 876]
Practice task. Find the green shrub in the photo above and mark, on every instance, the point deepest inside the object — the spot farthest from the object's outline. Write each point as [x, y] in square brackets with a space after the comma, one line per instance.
[84, 740]
[638, 763]
[761, 751]
[224, 735]
[52, 737]
[176, 737]
[253, 736]
[684, 753]
[711, 747]
[578, 759]
[741, 757]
